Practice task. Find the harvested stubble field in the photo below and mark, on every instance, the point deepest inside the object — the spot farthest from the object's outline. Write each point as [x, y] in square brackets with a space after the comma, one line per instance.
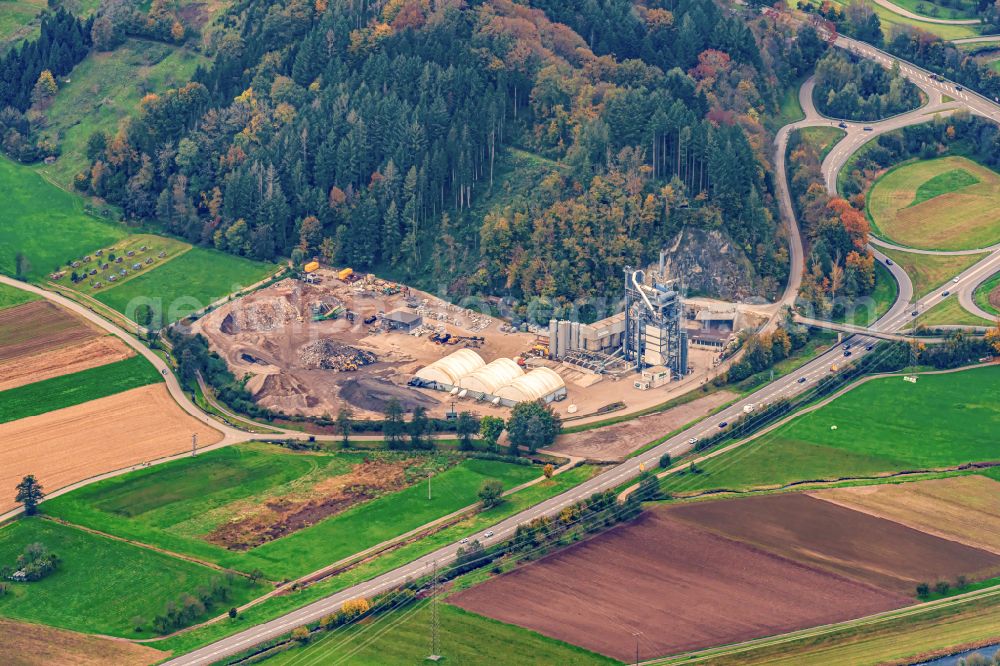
[965, 509]
[26, 644]
[683, 587]
[842, 541]
[37, 327]
[63, 361]
[68, 445]
[957, 194]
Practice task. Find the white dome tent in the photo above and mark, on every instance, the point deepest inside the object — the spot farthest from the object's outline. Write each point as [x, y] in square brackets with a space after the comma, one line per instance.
[492, 377]
[449, 370]
[539, 384]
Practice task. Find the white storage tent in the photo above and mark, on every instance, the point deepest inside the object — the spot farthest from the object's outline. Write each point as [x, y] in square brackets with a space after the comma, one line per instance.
[539, 384]
[489, 379]
[451, 368]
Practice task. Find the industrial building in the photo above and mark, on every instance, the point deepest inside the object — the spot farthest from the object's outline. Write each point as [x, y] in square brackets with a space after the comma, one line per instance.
[501, 382]
[648, 334]
[403, 320]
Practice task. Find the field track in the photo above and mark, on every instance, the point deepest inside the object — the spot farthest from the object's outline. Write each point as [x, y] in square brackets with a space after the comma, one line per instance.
[39, 326]
[26, 644]
[63, 361]
[683, 587]
[76, 443]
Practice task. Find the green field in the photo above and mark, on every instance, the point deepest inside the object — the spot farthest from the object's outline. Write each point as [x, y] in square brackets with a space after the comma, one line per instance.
[105, 88]
[883, 425]
[822, 138]
[17, 21]
[176, 504]
[982, 294]
[45, 223]
[76, 388]
[886, 291]
[930, 271]
[965, 10]
[947, 203]
[950, 311]
[147, 250]
[9, 297]
[102, 583]
[401, 637]
[186, 284]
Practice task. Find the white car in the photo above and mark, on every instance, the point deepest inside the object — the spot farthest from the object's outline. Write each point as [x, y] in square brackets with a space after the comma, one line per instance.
[464, 541]
[955, 280]
[693, 440]
[488, 534]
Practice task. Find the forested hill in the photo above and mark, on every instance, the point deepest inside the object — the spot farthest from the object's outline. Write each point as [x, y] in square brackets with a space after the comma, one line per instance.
[380, 135]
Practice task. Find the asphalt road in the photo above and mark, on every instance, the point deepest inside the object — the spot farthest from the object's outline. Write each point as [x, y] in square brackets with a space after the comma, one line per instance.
[896, 9]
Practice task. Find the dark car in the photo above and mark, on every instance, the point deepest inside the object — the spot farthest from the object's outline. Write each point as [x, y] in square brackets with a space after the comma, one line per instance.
[959, 88]
[869, 347]
[847, 353]
[914, 313]
[802, 380]
[888, 262]
[724, 424]
[867, 129]
[945, 293]
[842, 125]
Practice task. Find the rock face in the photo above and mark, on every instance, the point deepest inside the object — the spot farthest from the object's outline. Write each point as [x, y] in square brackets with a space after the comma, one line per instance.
[707, 263]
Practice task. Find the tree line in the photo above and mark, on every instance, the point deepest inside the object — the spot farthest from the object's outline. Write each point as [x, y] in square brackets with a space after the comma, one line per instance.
[860, 89]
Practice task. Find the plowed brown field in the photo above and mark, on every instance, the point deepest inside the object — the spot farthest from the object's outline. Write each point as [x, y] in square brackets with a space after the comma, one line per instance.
[53, 363]
[76, 443]
[961, 508]
[683, 587]
[27, 644]
[840, 540]
[39, 326]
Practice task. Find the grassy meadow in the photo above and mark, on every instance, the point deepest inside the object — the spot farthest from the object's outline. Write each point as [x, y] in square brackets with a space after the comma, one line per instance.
[10, 296]
[186, 284]
[76, 388]
[102, 583]
[883, 425]
[950, 312]
[45, 223]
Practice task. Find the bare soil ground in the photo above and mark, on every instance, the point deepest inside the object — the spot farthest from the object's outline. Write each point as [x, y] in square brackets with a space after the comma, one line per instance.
[683, 587]
[259, 523]
[300, 366]
[616, 441]
[961, 508]
[76, 443]
[62, 361]
[840, 540]
[27, 644]
[39, 326]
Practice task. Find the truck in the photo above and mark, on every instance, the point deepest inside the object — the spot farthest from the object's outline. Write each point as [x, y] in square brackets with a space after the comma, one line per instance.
[748, 408]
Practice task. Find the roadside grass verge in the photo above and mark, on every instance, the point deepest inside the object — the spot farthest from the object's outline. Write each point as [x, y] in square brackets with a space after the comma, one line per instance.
[950, 311]
[822, 138]
[929, 271]
[885, 294]
[983, 291]
[884, 425]
[101, 583]
[76, 388]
